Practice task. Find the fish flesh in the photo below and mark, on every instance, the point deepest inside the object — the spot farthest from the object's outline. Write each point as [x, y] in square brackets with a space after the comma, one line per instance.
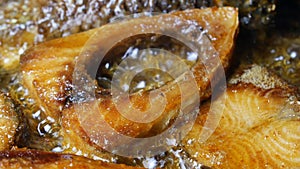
[256, 122]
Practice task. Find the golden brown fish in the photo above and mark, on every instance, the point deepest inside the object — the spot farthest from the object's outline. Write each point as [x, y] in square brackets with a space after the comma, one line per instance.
[40, 20]
[8, 121]
[22, 159]
[258, 125]
[47, 77]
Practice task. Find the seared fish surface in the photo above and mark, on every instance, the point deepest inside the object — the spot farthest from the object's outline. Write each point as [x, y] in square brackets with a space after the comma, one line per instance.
[22, 159]
[8, 121]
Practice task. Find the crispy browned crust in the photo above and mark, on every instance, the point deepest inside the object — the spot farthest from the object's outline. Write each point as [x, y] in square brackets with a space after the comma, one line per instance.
[47, 73]
[8, 122]
[22, 159]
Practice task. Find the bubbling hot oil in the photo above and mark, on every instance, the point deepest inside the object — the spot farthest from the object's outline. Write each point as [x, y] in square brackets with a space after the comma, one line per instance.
[282, 55]
[145, 63]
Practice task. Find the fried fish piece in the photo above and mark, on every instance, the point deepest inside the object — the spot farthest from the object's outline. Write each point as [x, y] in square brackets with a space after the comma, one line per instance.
[8, 121]
[257, 125]
[23, 159]
[47, 77]
[25, 23]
